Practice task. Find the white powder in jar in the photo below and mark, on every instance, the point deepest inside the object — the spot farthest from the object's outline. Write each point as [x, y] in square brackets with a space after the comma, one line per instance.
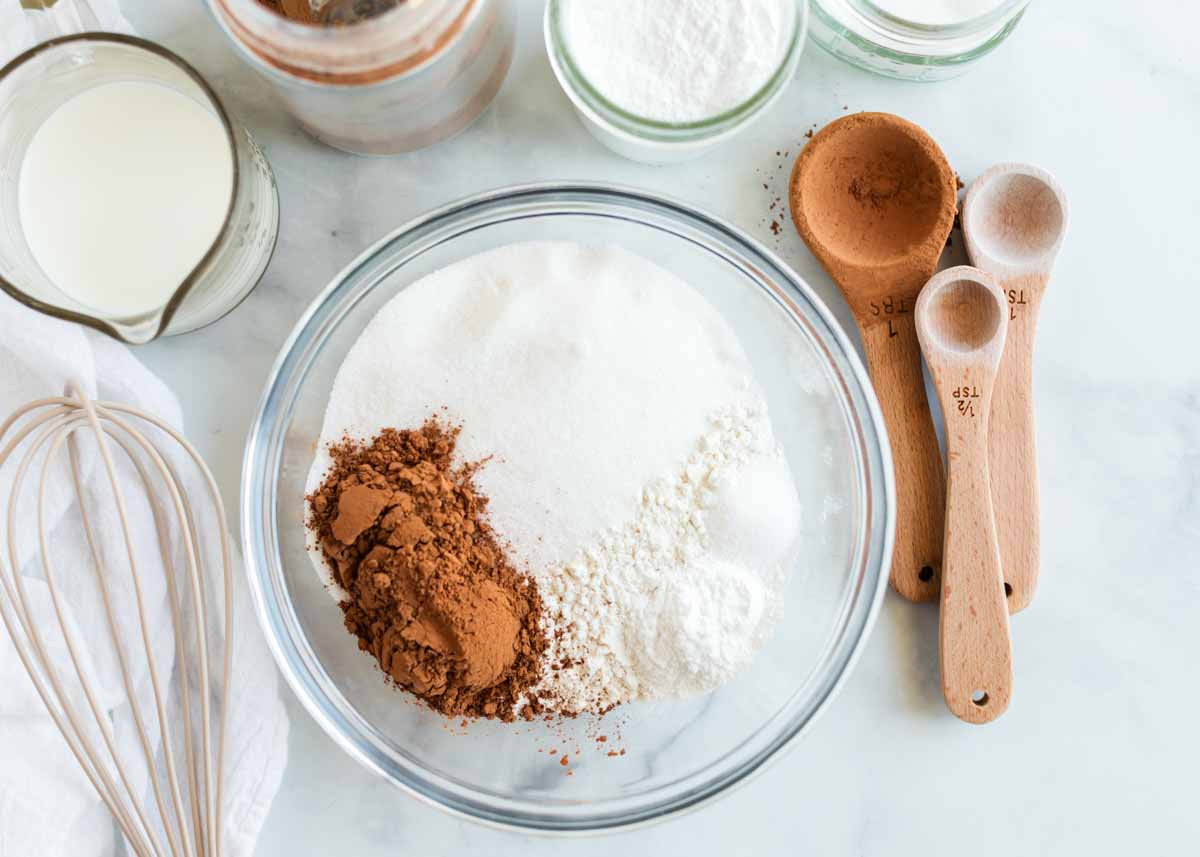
[632, 469]
[677, 60]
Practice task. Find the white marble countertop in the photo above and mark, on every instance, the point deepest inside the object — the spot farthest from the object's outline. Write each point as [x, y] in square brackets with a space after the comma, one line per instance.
[1099, 748]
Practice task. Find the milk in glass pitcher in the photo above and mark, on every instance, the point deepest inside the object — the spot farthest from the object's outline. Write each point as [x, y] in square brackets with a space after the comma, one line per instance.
[130, 201]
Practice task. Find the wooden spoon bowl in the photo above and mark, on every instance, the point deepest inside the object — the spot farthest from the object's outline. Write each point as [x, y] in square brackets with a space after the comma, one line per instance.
[874, 198]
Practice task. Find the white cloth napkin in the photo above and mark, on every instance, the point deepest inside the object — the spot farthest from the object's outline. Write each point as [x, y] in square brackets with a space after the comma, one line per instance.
[47, 807]
[22, 28]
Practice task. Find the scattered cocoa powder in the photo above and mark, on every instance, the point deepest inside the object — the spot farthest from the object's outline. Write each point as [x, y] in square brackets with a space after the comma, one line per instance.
[432, 595]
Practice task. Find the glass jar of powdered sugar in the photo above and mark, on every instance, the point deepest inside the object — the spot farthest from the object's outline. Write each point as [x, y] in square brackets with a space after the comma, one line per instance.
[661, 81]
[922, 40]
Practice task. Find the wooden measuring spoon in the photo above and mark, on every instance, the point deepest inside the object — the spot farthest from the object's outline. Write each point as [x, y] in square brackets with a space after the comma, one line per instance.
[1014, 218]
[874, 199]
[961, 319]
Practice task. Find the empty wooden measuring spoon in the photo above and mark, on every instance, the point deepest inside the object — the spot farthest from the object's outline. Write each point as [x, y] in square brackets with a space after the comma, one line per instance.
[1014, 218]
[874, 199]
[962, 318]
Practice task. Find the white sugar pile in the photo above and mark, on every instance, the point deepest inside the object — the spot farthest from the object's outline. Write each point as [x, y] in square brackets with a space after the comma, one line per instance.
[632, 469]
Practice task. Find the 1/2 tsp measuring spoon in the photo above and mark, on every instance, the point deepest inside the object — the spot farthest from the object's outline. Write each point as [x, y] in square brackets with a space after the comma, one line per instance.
[874, 199]
[1014, 218]
[961, 319]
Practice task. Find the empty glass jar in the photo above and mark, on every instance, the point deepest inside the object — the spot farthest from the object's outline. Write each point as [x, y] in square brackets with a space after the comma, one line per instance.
[912, 40]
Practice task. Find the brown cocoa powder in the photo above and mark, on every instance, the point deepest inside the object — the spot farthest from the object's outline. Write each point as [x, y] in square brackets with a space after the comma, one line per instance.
[431, 593]
[296, 10]
[334, 13]
[873, 197]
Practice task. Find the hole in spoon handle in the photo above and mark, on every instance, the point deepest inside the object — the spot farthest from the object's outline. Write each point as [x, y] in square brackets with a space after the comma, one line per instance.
[1012, 443]
[894, 360]
[976, 651]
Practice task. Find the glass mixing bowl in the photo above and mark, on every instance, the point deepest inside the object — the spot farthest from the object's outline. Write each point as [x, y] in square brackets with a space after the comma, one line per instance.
[677, 754]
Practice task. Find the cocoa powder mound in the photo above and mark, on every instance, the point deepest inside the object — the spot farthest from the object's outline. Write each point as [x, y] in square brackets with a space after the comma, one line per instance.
[432, 595]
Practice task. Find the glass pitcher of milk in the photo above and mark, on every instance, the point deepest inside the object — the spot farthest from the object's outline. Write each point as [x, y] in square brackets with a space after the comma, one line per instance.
[129, 199]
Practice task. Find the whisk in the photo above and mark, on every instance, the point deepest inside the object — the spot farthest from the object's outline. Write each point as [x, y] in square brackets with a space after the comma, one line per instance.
[183, 819]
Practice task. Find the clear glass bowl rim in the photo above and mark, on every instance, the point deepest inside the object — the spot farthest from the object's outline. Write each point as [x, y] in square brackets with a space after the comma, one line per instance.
[603, 111]
[264, 447]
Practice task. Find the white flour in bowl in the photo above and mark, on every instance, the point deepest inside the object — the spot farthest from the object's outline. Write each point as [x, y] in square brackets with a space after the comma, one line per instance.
[632, 466]
[677, 599]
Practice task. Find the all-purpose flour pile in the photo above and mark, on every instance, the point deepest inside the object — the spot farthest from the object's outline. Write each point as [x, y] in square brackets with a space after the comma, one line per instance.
[547, 482]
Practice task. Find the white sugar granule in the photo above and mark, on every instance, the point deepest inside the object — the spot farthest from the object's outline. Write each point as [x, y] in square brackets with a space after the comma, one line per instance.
[581, 373]
[678, 60]
[632, 468]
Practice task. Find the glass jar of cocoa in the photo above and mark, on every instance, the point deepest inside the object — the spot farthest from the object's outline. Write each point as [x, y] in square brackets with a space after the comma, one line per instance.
[376, 76]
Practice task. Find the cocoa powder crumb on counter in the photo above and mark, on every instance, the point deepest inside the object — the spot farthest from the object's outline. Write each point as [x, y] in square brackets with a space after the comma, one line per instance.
[432, 596]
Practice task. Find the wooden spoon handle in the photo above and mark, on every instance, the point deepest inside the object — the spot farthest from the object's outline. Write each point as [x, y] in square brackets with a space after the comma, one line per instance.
[894, 359]
[1012, 446]
[976, 651]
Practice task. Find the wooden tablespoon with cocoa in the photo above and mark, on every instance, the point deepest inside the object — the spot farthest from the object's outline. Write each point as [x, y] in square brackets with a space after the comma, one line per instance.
[874, 199]
[1014, 218]
[962, 319]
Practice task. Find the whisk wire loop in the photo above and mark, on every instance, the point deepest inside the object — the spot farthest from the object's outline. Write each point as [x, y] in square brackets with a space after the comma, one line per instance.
[39, 431]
